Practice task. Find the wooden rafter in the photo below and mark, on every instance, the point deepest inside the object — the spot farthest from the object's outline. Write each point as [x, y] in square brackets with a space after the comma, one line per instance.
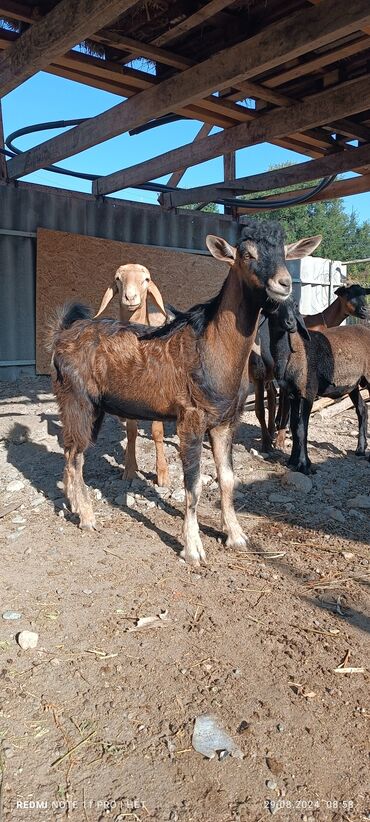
[65, 25]
[177, 175]
[348, 98]
[340, 188]
[315, 27]
[337, 163]
[192, 21]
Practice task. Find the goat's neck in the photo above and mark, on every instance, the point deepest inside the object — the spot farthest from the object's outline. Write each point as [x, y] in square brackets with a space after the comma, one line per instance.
[139, 316]
[334, 314]
[231, 333]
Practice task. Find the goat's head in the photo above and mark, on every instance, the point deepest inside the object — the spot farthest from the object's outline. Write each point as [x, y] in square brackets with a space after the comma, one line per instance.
[353, 299]
[288, 319]
[259, 257]
[132, 283]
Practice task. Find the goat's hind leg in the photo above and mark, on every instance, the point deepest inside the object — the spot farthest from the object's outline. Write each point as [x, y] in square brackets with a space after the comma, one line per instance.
[221, 441]
[131, 468]
[80, 425]
[191, 432]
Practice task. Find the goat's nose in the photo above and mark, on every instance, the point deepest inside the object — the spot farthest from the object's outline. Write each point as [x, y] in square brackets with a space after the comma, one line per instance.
[285, 281]
[131, 297]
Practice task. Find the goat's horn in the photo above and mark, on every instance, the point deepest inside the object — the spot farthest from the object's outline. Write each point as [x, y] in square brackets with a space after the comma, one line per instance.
[156, 296]
[108, 296]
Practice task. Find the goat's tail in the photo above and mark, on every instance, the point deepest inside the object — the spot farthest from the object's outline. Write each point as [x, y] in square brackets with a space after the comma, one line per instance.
[63, 317]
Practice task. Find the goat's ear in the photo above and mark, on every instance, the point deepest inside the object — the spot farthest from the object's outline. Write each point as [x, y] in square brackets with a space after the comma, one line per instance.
[341, 291]
[220, 249]
[302, 326]
[156, 297]
[108, 296]
[302, 248]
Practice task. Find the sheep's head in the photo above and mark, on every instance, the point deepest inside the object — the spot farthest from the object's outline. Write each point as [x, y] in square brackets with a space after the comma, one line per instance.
[260, 255]
[132, 283]
[353, 298]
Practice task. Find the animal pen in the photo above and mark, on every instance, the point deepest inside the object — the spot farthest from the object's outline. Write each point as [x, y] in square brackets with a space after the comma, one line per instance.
[143, 688]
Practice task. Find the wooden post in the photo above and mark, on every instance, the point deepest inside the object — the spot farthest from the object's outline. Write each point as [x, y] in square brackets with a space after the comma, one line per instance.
[3, 169]
[229, 176]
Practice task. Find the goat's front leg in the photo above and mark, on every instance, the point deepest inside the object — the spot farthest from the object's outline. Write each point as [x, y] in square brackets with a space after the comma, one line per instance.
[131, 468]
[191, 432]
[300, 415]
[271, 405]
[259, 407]
[361, 411]
[221, 441]
[161, 463]
[282, 418]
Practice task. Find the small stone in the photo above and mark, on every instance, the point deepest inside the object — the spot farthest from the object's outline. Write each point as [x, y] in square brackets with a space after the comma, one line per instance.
[361, 501]
[150, 504]
[98, 494]
[223, 755]
[18, 520]
[244, 727]
[27, 640]
[280, 727]
[213, 485]
[298, 482]
[87, 591]
[8, 753]
[178, 495]
[255, 453]
[206, 479]
[279, 498]
[271, 785]
[15, 485]
[347, 554]
[12, 615]
[274, 766]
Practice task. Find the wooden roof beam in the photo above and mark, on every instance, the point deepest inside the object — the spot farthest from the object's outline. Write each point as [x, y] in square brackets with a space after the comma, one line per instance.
[192, 21]
[312, 28]
[340, 188]
[349, 98]
[337, 163]
[64, 26]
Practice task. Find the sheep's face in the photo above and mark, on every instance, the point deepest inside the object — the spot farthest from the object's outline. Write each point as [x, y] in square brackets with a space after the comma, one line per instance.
[132, 282]
[353, 298]
[259, 258]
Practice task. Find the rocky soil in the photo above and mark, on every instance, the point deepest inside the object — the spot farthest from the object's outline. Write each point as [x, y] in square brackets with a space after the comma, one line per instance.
[97, 719]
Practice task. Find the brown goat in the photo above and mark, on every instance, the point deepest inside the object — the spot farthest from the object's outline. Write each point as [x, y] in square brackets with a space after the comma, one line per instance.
[134, 285]
[193, 370]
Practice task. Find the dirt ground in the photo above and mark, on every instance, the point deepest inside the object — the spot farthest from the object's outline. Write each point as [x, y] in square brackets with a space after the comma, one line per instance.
[97, 721]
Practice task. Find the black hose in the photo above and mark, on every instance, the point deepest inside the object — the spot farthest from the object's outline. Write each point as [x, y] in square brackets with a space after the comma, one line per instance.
[168, 118]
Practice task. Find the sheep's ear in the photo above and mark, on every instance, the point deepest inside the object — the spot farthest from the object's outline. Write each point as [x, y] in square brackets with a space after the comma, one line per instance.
[156, 297]
[302, 248]
[302, 326]
[220, 249]
[341, 291]
[108, 296]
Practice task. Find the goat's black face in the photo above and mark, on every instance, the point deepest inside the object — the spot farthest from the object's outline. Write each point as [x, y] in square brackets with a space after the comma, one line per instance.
[354, 298]
[259, 258]
[290, 320]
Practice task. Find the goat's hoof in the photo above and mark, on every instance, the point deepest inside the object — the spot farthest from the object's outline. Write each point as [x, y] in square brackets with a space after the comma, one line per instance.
[88, 526]
[163, 478]
[195, 554]
[130, 474]
[241, 542]
[360, 452]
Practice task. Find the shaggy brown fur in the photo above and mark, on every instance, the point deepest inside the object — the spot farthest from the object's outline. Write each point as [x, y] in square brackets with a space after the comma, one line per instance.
[193, 370]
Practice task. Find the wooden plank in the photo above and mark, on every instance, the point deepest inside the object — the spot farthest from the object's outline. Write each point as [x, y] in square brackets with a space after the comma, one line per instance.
[177, 175]
[65, 25]
[315, 64]
[65, 262]
[139, 49]
[18, 11]
[312, 28]
[337, 406]
[337, 163]
[341, 188]
[3, 167]
[190, 22]
[347, 99]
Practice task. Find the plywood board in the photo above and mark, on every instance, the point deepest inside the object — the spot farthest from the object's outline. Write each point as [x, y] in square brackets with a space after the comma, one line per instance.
[75, 267]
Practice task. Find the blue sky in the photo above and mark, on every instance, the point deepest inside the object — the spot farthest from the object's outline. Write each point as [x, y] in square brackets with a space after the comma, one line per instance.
[45, 98]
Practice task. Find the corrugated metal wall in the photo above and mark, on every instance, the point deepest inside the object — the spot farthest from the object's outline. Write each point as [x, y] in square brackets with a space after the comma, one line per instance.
[25, 208]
